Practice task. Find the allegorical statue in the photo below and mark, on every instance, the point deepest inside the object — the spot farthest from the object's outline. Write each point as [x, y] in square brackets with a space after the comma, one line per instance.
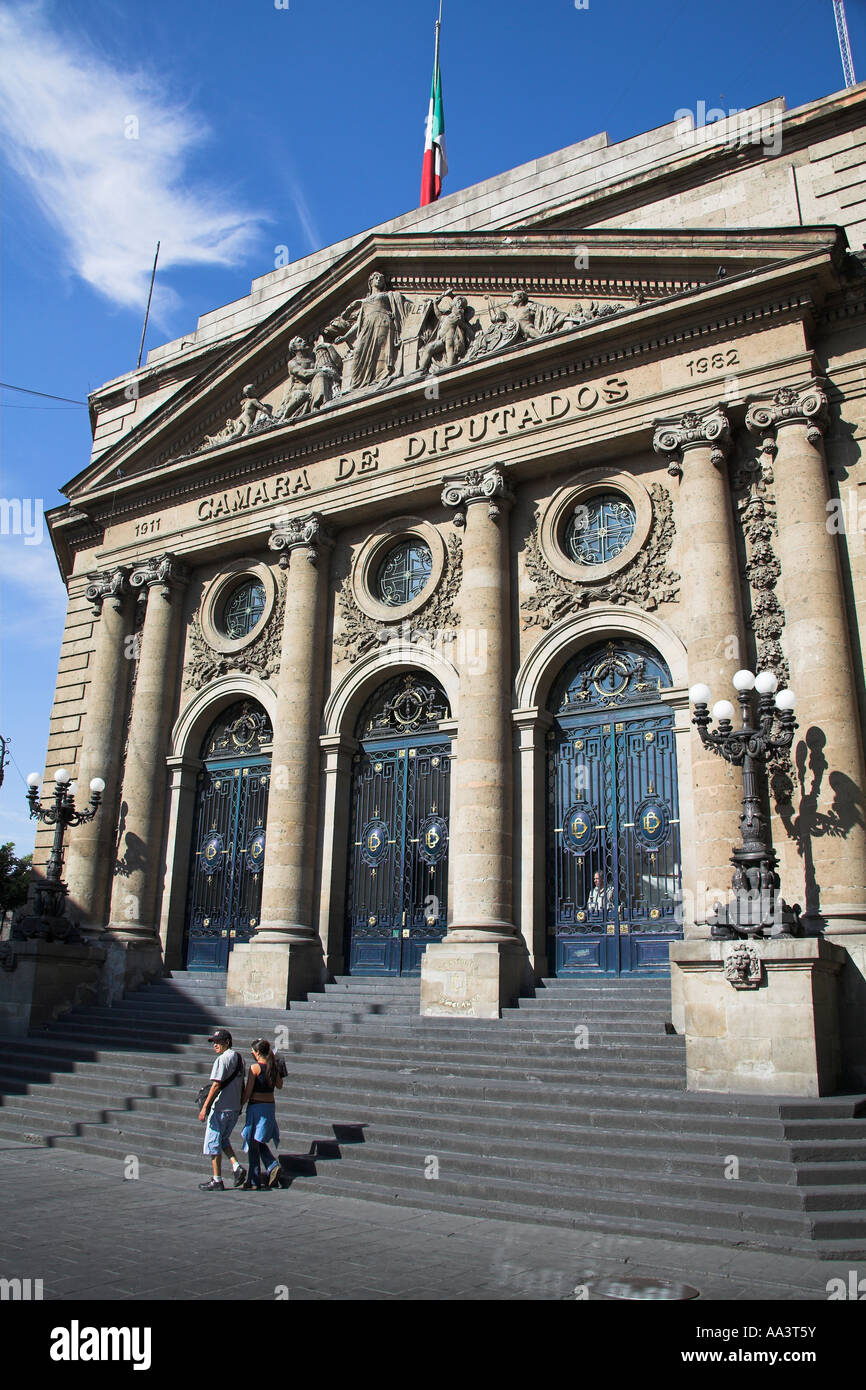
[377, 323]
[451, 338]
[329, 371]
[254, 415]
[521, 319]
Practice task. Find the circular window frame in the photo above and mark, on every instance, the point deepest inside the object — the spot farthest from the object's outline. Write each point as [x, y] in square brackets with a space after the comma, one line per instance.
[217, 592]
[372, 555]
[558, 513]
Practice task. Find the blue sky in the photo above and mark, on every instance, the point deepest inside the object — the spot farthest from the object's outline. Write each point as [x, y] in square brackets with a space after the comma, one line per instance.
[262, 124]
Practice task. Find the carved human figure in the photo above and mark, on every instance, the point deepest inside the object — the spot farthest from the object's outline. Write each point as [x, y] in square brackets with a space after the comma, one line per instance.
[254, 414]
[451, 338]
[520, 319]
[533, 320]
[377, 323]
[301, 371]
[329, 371]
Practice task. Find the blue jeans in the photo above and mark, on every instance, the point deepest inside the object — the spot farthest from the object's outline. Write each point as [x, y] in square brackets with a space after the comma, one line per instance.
[259, 1152]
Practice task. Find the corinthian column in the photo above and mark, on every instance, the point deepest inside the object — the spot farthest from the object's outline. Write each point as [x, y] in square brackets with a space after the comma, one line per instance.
[826, 817]
[139, 869]
[91, 849]
[482, 936]
[284, 959]
[696, 445]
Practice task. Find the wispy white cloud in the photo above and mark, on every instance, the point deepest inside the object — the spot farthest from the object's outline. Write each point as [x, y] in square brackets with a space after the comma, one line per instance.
[32, 594]
[305, 217]
[104, 152]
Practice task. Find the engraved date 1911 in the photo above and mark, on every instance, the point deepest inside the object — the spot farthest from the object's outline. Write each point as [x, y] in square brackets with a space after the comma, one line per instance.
[715, 362]
[147, 528]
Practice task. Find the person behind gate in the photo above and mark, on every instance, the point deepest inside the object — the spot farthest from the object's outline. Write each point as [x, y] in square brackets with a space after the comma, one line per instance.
[261, 1126]
[222, 1108]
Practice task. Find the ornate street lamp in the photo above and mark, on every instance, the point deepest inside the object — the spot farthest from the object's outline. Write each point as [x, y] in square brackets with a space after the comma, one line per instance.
[45, 913]
[755, 905]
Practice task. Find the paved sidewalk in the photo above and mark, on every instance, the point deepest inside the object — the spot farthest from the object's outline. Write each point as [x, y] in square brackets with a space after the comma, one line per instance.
[88, 1233]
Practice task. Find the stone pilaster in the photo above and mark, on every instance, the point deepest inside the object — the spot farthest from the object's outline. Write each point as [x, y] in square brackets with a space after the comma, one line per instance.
[825, 817]
[696, 445]
[90, 856]
[284, 960]
[482, 961]
[139, 870]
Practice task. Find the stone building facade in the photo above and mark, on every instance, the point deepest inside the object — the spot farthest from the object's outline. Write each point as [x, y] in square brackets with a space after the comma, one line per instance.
[387, 586]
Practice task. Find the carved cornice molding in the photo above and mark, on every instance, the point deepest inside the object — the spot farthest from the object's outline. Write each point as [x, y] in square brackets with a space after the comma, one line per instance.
[308, 532]
[477, 485]
[676, 434]
[640, 289]
[790, 405]
[164, 572]
[108, 584]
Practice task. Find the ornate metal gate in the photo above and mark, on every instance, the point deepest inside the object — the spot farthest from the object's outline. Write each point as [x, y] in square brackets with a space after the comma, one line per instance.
[613, 830]
[228, 836]
[397, 891]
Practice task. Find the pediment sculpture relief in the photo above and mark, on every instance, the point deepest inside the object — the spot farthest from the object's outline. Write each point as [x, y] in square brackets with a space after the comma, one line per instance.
[387, 336]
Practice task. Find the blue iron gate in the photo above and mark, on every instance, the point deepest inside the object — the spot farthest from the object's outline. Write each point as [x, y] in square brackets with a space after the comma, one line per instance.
[613, 829]
[397, 890]
[228, 837]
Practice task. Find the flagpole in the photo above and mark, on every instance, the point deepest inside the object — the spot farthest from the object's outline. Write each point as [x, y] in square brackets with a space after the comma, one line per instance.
[436, 56]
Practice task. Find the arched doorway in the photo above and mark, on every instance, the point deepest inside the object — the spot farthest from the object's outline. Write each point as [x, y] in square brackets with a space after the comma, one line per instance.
[397, 888]
[228, 841]
[614, 875]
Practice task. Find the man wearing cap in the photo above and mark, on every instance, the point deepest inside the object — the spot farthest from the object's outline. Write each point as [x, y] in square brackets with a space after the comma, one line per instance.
[221, 1109]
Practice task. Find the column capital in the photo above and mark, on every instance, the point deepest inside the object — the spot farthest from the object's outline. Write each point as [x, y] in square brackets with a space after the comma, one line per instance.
[308, 532]
[478, 485]
[676, 434]
[165, 572]
[791, 405]
[107, 584]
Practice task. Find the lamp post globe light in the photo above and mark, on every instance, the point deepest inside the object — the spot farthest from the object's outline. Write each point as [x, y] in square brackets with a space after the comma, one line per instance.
[767, 729]
[44, 915]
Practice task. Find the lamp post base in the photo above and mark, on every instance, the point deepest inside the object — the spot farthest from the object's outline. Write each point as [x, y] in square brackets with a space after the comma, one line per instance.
[755, 906]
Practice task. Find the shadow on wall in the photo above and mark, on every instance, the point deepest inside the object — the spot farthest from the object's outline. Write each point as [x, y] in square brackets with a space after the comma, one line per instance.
[134, 856]
[802, 819]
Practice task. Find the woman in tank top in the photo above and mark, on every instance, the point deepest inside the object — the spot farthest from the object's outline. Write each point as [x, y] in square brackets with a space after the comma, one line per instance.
[261, 1123]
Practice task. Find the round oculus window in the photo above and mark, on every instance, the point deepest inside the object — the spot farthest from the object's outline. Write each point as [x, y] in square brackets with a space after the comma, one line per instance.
[600, 529]
[404, 572]
[243, 608]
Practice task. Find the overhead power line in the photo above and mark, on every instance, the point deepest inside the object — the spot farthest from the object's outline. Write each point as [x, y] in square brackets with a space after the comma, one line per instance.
[45, 394]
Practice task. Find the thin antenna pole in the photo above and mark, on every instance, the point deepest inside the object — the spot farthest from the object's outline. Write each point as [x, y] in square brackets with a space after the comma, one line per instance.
[147, 310]
[844, 43]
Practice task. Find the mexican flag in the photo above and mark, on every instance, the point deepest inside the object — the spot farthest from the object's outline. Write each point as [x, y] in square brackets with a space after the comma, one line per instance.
[435, 163]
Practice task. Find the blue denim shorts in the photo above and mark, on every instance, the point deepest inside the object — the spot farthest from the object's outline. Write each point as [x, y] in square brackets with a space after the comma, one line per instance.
[220, 1124]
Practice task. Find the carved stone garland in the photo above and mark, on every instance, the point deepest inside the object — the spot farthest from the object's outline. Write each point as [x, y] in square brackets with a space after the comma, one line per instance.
[260, 658]
[647, 581]
[437, 619]
[756, 505]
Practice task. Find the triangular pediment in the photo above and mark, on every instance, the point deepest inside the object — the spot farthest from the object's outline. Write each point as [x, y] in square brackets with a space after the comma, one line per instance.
[399, 312]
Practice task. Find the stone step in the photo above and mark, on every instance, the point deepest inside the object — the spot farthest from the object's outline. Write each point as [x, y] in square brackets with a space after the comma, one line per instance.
[581, 1207]
[554, 1173]
[153, 1118]
[635, 1042]
[615, 1073]
[177, 1088]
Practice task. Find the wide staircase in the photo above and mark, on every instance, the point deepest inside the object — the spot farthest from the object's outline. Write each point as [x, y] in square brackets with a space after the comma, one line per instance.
[571, 1110]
